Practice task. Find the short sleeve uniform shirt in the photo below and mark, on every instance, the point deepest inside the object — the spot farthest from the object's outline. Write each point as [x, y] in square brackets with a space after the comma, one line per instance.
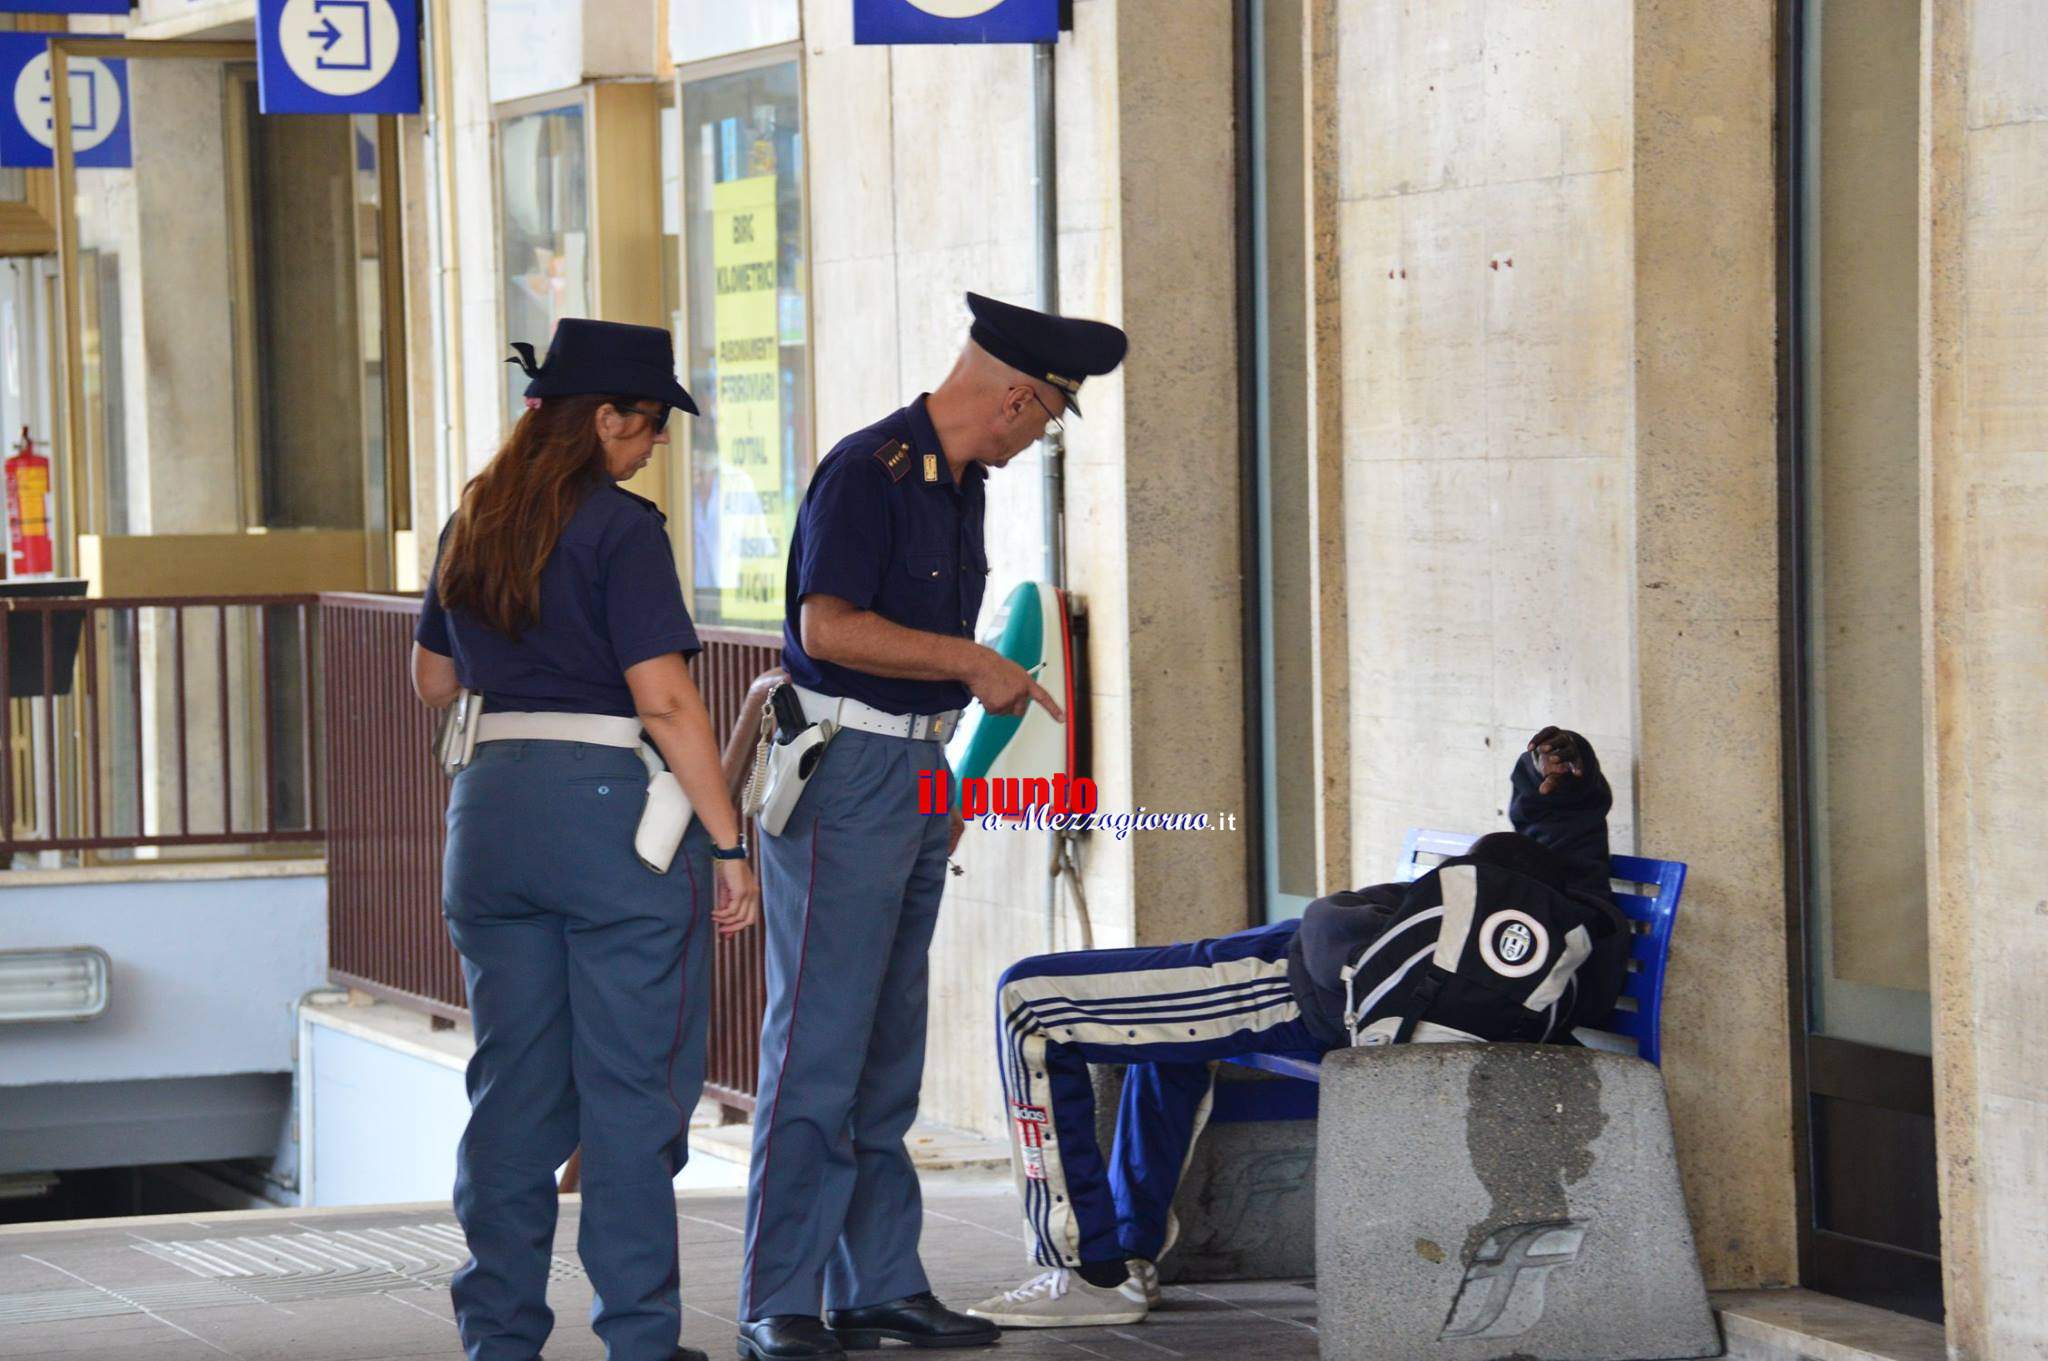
[609, 600]
[885, 527]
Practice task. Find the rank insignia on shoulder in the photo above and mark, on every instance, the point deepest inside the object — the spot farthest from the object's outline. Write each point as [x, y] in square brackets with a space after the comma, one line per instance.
[931, 467]
[895, 460]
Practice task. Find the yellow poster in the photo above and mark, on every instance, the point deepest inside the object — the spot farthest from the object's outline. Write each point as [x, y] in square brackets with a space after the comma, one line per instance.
[749, 488]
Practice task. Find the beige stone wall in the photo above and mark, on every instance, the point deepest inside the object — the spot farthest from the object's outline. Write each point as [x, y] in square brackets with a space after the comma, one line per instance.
[1484, 242]
[1984, 479]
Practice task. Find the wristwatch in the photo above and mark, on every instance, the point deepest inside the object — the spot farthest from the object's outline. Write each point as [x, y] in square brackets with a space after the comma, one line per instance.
[737, 851]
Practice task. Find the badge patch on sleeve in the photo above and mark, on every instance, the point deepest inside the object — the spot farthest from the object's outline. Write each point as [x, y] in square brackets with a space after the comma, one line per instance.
[895, 459]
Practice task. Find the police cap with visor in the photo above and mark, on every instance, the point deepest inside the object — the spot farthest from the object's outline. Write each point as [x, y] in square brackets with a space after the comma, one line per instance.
[1062, 351]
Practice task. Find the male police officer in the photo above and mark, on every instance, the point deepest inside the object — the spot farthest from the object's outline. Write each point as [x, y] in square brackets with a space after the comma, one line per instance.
[886, 573]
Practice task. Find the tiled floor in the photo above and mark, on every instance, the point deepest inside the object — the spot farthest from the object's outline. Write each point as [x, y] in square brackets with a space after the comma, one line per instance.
[365, 1286]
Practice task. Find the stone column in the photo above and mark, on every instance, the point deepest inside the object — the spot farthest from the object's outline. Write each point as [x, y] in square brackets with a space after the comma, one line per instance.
[1984, 584]
[1706, 612]
[1183, 574]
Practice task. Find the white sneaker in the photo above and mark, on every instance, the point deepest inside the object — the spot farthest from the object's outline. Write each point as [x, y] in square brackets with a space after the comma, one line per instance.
[1143, 1285]
[1060, 1299]
[1144, 1279]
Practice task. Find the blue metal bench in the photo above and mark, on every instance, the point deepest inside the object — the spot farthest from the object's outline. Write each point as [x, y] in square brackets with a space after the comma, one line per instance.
[1647, 891]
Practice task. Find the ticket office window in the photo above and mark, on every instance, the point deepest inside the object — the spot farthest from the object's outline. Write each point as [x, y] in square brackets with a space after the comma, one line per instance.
[745, 331]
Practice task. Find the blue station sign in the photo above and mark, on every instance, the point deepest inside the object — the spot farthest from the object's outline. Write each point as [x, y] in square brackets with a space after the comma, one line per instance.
[338, 56]
[956, 21]
[98, 90]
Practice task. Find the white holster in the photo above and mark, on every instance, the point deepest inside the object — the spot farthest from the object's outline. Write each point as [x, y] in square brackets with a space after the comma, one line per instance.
[666, 814]
[789, 769]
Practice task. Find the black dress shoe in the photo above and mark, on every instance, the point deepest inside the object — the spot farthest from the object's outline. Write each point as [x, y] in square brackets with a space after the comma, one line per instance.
[788, 1337]
[690, 1354]
[919, 1320]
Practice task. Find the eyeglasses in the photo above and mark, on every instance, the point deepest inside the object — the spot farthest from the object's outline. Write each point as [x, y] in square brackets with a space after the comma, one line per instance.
[1052, 422]
[657, 419]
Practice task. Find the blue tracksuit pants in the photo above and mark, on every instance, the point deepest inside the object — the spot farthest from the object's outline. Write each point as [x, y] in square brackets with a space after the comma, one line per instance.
[1166, 1011]
[850, 893]
[589, 986]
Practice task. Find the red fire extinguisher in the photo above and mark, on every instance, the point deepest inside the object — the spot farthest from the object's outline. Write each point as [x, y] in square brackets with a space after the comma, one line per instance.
[28, 510]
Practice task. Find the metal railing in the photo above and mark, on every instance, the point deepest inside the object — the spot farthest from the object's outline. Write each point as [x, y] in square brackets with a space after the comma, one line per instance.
[385, 799]
[386, 796]
[157, 724]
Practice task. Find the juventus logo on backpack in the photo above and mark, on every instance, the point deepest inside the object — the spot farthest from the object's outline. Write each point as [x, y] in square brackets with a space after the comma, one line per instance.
[1476, 952]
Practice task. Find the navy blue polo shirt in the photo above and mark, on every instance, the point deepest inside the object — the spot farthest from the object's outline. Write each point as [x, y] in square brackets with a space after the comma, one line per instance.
[609, 599]
[885, 527]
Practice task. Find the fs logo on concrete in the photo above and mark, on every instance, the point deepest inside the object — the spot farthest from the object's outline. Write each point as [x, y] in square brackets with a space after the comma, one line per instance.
[1502, 1295]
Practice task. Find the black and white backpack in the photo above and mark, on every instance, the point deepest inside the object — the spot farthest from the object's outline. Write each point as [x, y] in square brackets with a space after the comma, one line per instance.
[1475, 952]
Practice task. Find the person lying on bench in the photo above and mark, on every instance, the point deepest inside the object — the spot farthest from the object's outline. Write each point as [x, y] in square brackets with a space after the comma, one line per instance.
[1517, 940]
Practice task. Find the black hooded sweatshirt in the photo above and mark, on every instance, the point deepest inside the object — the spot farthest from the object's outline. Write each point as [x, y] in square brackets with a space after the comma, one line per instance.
[1570, 822]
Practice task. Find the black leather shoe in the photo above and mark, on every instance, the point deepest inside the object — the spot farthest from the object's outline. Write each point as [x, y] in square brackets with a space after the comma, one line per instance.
[788, 1337]
[690, 1354]
[919, 1320]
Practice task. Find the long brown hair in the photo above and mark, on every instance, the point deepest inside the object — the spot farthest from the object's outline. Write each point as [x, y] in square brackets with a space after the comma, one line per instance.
[513, 512]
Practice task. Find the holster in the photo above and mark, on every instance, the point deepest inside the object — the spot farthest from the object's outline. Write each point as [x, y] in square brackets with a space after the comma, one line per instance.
[665, 817]
[455, 744]
[790, 755]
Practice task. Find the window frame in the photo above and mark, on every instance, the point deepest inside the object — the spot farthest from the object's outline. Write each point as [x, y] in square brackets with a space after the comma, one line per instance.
[683, 466]
[577, 97]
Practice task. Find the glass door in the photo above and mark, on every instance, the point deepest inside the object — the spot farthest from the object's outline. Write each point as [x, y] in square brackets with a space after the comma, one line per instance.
[234, 378]
[1871, 1224]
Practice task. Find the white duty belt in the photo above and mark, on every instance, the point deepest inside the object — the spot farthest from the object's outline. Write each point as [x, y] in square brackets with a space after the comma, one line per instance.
[603, 730]
[851, 713]
[665, 816]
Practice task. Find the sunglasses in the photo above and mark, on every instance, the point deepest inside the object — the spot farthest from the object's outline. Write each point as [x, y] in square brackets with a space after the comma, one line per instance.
[657, 419]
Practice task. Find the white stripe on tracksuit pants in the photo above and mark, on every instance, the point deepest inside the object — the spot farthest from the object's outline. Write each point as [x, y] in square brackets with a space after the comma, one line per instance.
[1168, 1012]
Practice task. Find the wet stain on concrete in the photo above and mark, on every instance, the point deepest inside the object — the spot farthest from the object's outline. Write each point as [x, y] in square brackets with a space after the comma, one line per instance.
[1535, 1112]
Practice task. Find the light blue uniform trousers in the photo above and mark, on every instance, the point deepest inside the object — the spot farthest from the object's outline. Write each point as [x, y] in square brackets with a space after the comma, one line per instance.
[851, 893]
[590, 986]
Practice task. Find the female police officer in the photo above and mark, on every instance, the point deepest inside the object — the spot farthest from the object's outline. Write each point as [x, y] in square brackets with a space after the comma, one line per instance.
[556, 599]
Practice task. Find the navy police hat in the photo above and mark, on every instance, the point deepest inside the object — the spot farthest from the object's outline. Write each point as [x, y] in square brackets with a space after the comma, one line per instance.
[610, 357]
[1062, 351]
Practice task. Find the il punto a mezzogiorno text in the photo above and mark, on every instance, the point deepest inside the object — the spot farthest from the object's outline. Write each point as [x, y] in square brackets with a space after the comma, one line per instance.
[1058, 804]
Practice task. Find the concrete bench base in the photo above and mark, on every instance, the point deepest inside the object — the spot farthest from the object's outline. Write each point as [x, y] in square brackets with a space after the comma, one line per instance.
[1485, 1201]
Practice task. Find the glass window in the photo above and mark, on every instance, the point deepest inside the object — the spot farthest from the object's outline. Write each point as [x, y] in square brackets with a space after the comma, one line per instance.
[545, 217]
[1861, 482]
[742, 168]
[1286, 598]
